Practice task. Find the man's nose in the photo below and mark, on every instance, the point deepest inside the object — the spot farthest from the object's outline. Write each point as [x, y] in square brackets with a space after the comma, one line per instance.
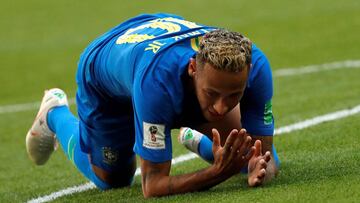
[220, 107]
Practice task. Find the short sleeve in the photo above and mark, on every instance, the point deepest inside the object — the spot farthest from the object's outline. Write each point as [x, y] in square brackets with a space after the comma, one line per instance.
[256, 105]
[154, 112]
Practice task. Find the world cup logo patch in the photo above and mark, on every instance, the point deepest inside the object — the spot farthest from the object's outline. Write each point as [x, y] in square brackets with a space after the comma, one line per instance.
[153, 130]
[153, 136]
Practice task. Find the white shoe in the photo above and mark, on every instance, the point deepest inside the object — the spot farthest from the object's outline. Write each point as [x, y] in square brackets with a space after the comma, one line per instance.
[40, 140]
[190, 139]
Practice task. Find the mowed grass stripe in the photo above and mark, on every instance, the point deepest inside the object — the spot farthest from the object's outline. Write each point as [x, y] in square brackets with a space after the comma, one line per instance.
[282, 130]
[277, 73]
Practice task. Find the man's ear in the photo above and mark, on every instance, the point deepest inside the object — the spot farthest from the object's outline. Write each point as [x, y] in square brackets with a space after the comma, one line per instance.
[192, 67]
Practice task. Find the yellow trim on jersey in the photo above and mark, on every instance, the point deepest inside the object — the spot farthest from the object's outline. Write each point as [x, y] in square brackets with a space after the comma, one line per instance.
[134, 38]
[195, 43]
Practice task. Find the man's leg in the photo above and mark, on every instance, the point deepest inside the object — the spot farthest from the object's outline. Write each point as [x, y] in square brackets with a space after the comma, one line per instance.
[66, 127]
[107, 136]
[54, 117]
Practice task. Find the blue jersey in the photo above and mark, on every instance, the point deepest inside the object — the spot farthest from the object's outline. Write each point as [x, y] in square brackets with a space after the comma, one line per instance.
[143, 61]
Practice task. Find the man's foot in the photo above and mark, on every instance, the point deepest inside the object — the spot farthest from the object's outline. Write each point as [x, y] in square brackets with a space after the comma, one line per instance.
[190, 139]
[40, 140]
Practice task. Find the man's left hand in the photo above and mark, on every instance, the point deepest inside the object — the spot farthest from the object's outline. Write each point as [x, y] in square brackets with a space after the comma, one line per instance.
[257, 166]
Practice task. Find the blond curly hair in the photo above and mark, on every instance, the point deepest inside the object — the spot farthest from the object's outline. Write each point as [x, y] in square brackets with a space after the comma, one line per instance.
[224, 50]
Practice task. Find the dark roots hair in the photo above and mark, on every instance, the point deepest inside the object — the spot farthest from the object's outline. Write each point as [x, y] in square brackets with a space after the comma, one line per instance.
[225, 50]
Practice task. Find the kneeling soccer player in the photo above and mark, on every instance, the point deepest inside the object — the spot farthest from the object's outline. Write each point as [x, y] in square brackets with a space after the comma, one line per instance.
[151, 74]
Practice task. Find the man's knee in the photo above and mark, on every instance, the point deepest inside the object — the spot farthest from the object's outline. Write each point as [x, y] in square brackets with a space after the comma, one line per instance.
[122, 177]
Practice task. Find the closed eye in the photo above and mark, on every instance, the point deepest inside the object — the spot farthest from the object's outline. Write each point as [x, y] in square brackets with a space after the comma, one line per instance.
[236, 95]
[211, 93]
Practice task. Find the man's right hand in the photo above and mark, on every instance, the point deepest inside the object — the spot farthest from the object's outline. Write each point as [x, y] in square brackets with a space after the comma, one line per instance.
[235, 153]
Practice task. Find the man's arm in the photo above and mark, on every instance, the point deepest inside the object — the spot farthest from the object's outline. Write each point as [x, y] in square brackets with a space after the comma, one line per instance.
[157, 182]
[263, 151]
[228, 160]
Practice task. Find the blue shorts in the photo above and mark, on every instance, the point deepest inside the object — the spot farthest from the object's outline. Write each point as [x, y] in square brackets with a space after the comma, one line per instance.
[106, 125]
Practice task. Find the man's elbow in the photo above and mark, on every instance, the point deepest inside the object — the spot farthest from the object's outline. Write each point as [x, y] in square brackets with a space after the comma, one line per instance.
[272, 171]
[275, 167]
[151, 190]
[148, 193]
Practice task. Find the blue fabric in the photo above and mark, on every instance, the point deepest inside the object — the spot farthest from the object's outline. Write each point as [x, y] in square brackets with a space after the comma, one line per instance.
[142, 67]
[205, 149]
[256, 111]
[66, 127]
[131, 93]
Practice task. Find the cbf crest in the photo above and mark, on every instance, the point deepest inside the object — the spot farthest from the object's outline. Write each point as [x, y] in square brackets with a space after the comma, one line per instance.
[110, 156]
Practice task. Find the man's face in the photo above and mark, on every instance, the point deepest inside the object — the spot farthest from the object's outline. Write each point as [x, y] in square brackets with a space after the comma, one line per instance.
[218, 91]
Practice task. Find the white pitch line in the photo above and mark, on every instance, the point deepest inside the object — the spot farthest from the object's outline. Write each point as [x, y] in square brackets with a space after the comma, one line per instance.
[317, 68]
[25, 107]
[64, 192]
[277, 73]
[286, 129]
[90, 185]
[317, 120]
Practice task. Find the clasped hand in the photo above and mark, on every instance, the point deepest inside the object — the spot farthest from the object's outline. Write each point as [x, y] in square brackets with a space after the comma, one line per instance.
[238, 152]
[235, 154]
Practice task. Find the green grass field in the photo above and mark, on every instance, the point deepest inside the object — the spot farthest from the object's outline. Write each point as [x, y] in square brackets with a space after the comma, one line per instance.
[42, 40]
